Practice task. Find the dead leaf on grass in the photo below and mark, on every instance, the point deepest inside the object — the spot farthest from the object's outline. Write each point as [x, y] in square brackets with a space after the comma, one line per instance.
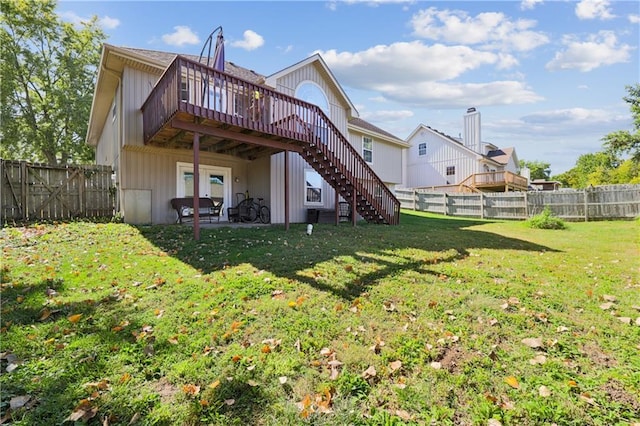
[395, 366]
[19, 401]
[626, 320]
[533, 342]
[512, 381]
[74, 318]
[369, 372]
[606, 306]
[538, 359]
[544, 391]
[609, 298]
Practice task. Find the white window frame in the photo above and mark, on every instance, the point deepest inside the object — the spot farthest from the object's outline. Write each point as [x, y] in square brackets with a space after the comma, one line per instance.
[453, 169]
[422, 149]
[321, 189]
[366, 139]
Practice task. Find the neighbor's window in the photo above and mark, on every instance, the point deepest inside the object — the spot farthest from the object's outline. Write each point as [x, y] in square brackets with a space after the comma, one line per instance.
[451, 170]
[422, 149]
[184, 91]
[313, 187]
[367, 149]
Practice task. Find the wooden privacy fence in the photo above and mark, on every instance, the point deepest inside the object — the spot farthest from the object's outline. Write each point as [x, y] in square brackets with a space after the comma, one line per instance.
[35, 192]
[595, 203]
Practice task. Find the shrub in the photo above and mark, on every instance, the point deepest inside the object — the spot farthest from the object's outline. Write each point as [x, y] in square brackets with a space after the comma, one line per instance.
[546, 220]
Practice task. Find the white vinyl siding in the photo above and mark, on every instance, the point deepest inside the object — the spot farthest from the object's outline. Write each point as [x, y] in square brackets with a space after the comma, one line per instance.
[430, 169]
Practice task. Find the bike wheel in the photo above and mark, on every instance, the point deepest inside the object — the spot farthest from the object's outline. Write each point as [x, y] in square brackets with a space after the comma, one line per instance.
[265, 214]
[250, 215]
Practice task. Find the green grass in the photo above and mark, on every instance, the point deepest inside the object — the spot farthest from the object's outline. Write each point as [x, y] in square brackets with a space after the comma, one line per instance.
[272, 327]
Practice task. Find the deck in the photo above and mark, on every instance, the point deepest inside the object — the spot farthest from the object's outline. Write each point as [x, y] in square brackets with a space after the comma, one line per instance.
[494, 182]
[236, 117]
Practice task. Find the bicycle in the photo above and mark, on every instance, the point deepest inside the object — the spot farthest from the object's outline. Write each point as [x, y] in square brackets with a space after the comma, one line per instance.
[251, 211]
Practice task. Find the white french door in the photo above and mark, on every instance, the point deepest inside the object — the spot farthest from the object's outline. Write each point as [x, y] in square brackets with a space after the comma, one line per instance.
[215, 182]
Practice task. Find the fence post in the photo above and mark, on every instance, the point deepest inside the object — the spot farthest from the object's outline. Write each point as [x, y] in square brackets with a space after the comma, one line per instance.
[586, 205]
[526, 205]
[415, 194]
[24, 175]
[481, 205]
[446, 204]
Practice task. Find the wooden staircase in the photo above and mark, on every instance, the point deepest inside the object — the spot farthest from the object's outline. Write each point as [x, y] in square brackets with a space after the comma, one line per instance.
[175, 109]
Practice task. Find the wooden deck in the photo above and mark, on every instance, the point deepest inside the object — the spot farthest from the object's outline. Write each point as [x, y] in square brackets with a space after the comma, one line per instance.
[240, 118]
[493, 182]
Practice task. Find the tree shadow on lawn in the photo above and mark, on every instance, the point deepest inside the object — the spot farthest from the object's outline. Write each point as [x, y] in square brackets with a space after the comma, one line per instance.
[56, 347]
[290, 253]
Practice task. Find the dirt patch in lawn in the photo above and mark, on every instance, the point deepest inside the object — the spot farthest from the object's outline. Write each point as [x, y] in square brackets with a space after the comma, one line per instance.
[616, 391]
[165, 389]
[598, 356]
[451, 358]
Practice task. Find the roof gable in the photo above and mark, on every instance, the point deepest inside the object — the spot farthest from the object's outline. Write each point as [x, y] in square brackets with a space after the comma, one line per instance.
[365, 127]
[316, 60]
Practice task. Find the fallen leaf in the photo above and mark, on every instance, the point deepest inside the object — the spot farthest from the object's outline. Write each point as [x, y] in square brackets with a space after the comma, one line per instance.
[587, 398]
[436, 365]
[404, 415]
[369, 372]
[494, 422]
[252, 383]
[544, 391]
[609, 298]
[282, 379]
[214, 384]
[562, 329]
[572, 384]
[395, 365]
[626, 320]
[512, 381]
[533, 342]
[19, 401]
[191, 390]
[229, 402]
[606, 306]
[538, 359]
[389, 306]
[74, 318]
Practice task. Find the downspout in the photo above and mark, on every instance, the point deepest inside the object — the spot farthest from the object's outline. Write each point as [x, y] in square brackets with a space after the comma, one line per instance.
[120, 118]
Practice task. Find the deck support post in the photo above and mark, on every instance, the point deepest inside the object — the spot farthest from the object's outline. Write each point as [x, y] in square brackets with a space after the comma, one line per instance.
[337, 206]
[196, 186]
[286, 190]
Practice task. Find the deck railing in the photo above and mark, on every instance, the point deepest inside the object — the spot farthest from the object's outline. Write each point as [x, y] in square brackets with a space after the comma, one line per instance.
[189, 87]
[503, 178]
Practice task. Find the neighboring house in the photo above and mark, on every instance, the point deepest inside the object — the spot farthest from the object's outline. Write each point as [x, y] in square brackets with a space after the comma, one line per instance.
[545, 185]
[443, 162]
[292, 138]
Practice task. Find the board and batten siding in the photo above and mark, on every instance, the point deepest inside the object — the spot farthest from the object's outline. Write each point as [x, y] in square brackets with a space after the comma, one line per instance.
[287, 84]
[155, 169]
[431, 169]
[137, 86]
[107, 148]
[297, 189]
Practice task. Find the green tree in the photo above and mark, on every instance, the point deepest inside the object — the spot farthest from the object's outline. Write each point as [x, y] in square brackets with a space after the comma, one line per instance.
[48, 71]
[538, 169]
[591, 169]
[623, 141]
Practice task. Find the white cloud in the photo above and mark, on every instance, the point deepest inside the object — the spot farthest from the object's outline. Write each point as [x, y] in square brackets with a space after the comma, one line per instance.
[105, 22]
[181, 36]
[384, 65]
[251, 41]
[414, 74]
[489, 29]
[529, 4]
[597, 50]
[108, 22]
[286, 49]
[634, 19]
[386, 116]
[594, 9]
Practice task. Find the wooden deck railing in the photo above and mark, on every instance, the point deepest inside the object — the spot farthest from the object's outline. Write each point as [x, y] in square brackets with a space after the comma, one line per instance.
[503, 178]
[190, 87]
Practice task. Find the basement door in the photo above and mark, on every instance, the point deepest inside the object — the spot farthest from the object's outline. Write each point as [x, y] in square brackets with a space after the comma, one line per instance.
[215, 182]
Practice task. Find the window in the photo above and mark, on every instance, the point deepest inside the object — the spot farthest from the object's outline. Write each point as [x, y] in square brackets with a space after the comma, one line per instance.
[113, 111]
[451, 170]
[367, 149]
[184, 91]
[313, 187]
[422, 149]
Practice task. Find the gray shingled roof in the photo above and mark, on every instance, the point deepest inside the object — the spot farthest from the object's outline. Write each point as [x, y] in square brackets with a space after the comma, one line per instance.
[229, 67]
[501, 155]
[368, 126]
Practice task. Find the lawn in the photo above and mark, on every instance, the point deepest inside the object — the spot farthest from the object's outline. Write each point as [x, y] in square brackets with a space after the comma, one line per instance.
[441, 321]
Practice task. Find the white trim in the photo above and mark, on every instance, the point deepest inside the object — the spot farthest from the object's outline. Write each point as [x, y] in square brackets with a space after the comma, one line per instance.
[371, 150]
[326, 111]
[304, 190]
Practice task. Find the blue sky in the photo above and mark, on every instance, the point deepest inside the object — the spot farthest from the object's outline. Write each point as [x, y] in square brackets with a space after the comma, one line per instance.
[547, 76]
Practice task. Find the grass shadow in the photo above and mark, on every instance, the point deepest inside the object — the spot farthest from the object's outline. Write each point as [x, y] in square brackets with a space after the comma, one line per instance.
[290, 253]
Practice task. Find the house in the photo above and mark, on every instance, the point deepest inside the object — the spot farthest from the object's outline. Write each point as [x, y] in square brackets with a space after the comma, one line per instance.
[293, 138]
[442, 162]
[545, 185]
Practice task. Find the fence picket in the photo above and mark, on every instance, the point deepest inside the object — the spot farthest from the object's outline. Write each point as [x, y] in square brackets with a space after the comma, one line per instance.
[37, 192]
[594, 203]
